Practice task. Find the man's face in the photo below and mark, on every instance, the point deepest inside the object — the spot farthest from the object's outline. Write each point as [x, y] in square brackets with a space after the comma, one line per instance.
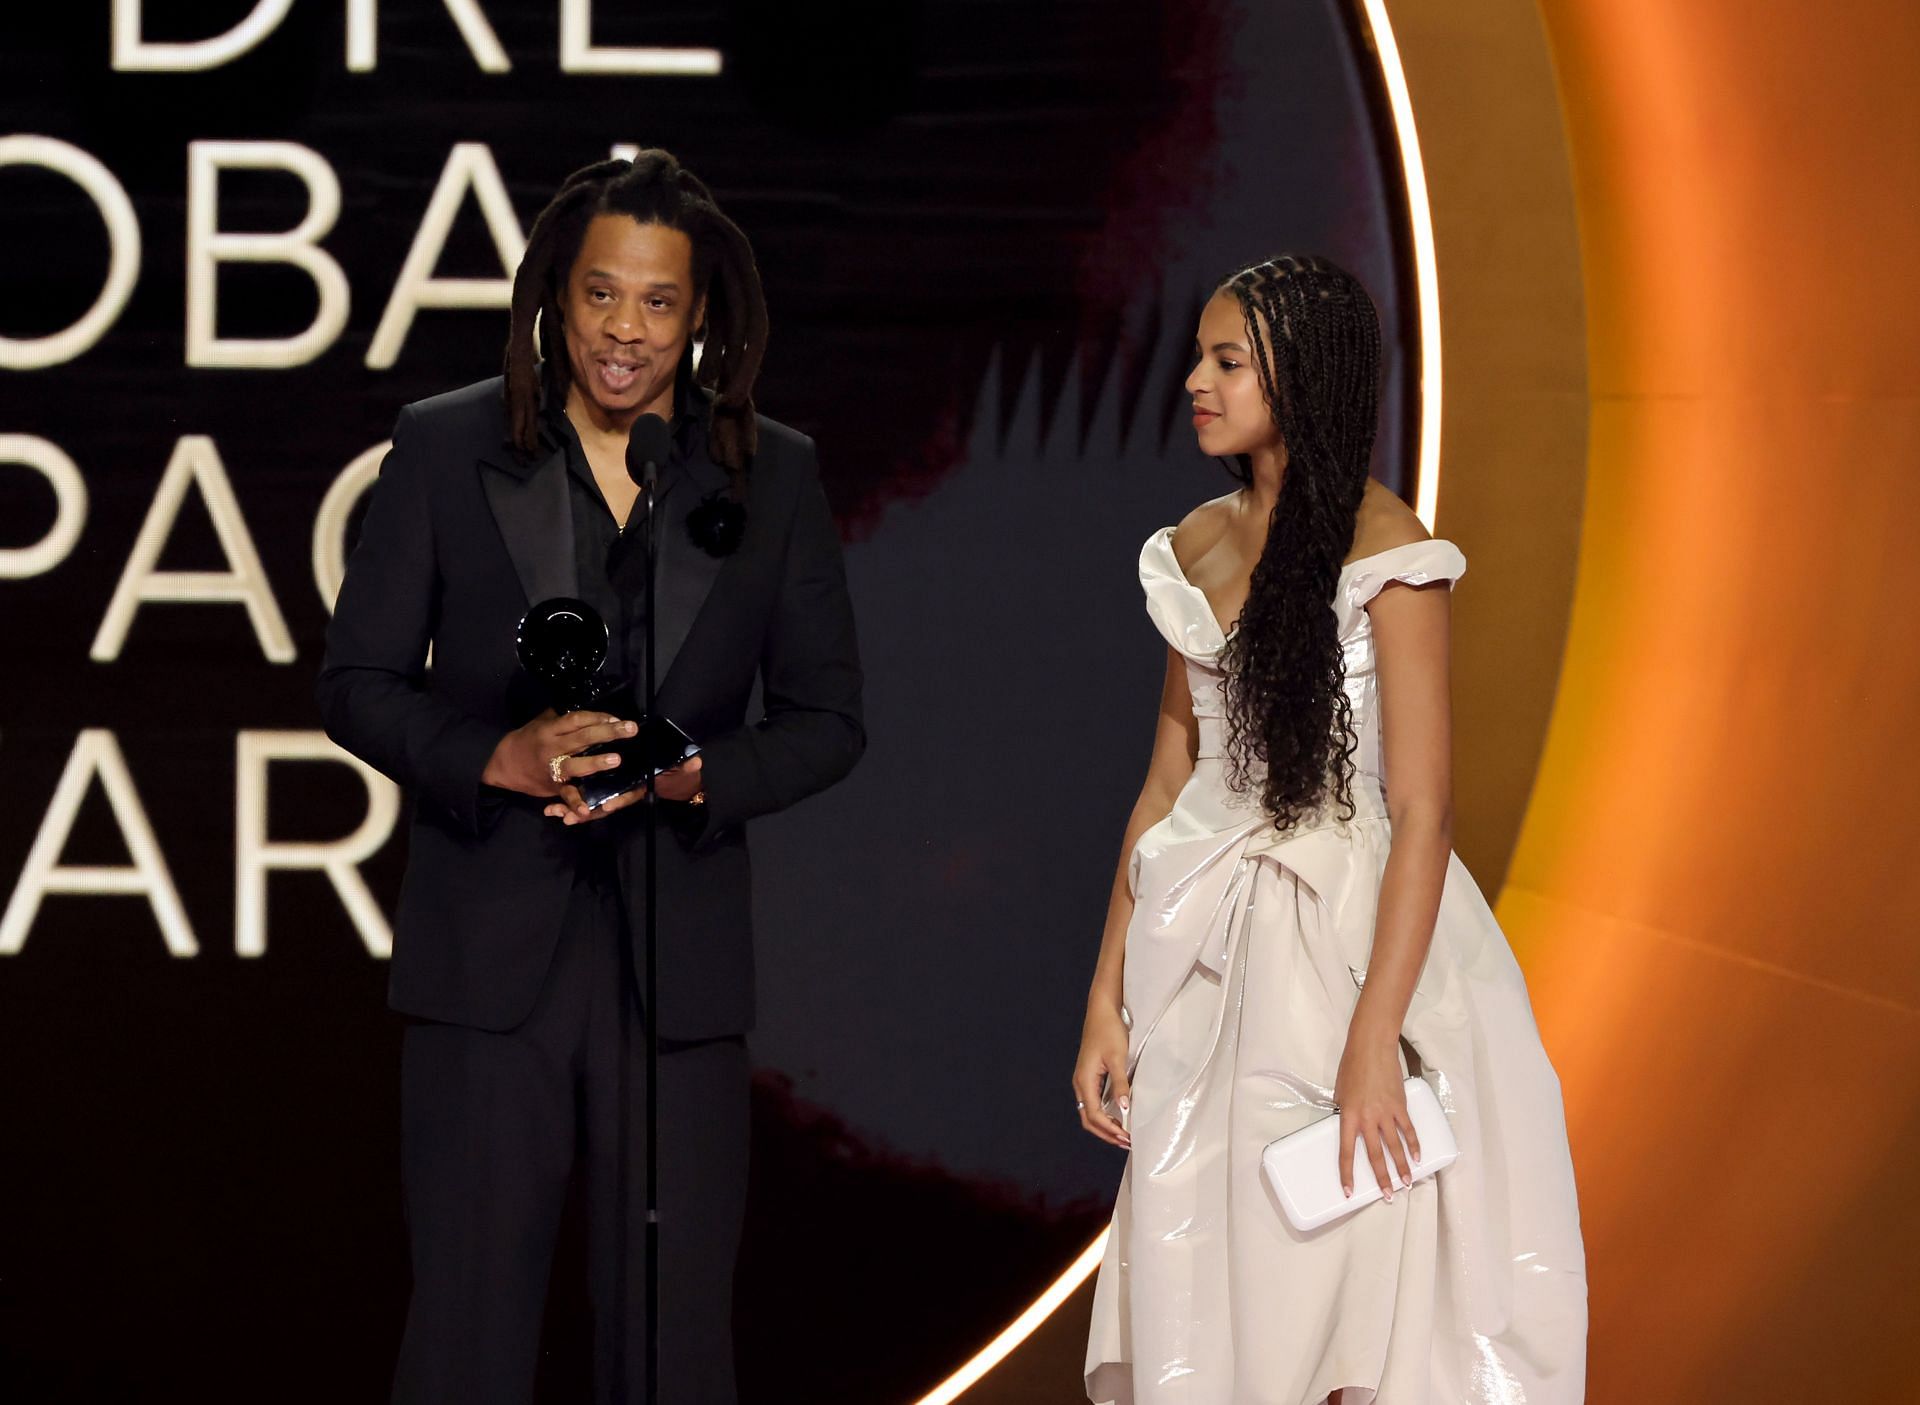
[629, 310]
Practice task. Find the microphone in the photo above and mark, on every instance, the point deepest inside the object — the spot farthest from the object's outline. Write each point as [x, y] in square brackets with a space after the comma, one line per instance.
[648, 444]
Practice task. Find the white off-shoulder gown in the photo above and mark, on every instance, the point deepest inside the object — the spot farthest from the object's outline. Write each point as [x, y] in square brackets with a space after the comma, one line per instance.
[1246, 953]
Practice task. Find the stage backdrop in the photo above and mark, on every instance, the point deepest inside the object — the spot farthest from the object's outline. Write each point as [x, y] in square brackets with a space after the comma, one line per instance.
[235, 238]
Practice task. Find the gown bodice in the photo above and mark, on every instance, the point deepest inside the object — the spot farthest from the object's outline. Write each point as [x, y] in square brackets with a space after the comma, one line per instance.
[1181, 612]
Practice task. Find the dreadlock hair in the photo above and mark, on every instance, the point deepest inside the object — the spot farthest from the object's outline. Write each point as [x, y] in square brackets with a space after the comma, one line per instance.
[653, 188]
[1316, 348]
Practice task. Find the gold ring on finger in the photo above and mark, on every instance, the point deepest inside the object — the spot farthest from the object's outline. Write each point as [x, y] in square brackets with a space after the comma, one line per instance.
[554, 764]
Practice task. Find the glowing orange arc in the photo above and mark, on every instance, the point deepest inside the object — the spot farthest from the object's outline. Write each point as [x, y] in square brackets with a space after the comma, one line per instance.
[1017, 1331]
[1426, 263]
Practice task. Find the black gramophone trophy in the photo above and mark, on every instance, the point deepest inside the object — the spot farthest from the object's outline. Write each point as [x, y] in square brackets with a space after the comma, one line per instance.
[562, 644]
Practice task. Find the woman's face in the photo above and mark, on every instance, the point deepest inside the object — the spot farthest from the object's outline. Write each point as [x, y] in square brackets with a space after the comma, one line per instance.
[1230, 414]
[629, 310]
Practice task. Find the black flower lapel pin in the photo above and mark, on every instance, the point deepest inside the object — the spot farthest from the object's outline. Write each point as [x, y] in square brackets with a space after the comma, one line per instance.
[717, 524]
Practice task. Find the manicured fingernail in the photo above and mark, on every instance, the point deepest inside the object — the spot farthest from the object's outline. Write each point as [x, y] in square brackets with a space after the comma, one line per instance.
[630, 728]
[609, 761]
[1349, 1190]
[1123, 1104]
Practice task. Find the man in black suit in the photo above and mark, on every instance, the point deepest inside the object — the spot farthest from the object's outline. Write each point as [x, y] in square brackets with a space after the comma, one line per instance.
[524, 1040]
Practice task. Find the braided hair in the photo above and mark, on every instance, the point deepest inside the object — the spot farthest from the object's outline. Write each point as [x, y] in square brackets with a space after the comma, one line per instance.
[1315, 339]
[653, 188]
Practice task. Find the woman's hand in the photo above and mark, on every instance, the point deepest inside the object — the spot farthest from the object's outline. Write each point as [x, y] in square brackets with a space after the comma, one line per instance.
[521, 760]
[1373, 1105]
[683, 782]
[1103, 1055]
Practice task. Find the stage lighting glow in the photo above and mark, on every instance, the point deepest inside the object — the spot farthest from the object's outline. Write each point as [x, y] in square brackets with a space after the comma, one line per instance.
[1427, 502]
[1425, 261]
[997, 1350]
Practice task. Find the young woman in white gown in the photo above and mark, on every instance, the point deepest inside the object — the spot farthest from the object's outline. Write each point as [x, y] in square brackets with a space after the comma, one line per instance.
[1290, 935]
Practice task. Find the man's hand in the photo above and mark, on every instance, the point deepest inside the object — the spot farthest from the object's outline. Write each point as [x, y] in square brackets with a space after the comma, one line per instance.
[522, 759]
[681, 783]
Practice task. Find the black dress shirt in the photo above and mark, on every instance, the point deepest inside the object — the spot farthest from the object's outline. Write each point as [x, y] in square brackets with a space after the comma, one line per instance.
[599, 544]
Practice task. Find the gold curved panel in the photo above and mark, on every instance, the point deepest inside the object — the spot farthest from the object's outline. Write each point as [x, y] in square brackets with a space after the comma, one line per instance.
[1513, 438]
[1713, 891]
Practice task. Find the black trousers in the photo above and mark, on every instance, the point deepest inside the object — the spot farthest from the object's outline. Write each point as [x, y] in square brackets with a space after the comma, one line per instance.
[490, 1126]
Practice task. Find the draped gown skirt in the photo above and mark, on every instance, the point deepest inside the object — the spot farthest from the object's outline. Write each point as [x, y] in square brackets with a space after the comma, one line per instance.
[1247, 951]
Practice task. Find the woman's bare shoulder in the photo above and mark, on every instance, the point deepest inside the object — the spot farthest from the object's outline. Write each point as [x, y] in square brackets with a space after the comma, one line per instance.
[1383, 523]
[1200, 529]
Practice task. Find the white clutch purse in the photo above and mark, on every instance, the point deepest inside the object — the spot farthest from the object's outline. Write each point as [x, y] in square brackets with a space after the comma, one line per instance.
[1303, 1167]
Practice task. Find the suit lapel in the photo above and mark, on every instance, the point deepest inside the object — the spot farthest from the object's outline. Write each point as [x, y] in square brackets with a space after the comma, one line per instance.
[534, 513]
[531, 508]
[686, 572]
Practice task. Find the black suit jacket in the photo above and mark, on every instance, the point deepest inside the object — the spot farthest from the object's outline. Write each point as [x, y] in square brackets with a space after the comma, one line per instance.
[460, 536]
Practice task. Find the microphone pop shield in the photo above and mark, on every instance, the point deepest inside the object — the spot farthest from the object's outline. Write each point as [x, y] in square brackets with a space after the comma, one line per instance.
[649, 443]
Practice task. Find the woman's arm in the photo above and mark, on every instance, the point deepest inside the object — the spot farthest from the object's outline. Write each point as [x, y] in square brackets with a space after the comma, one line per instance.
[1410, 634]
[1103, 1040]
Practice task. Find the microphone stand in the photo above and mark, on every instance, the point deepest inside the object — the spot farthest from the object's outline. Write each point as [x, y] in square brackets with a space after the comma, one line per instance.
[649, 485]
[650, 1009]
[647, 445]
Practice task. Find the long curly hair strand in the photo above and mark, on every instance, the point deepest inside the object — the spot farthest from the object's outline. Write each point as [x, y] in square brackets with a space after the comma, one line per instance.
[1315, 338]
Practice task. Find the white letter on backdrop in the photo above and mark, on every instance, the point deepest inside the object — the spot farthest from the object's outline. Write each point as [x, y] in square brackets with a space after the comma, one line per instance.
[123, 250]
[195, 461]
[340, 859]
[482, 42]
[70, 512]
[469, 167]
[208, 248]
[330, 525]
[578, 54]
[132, 53]
[96, 753]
